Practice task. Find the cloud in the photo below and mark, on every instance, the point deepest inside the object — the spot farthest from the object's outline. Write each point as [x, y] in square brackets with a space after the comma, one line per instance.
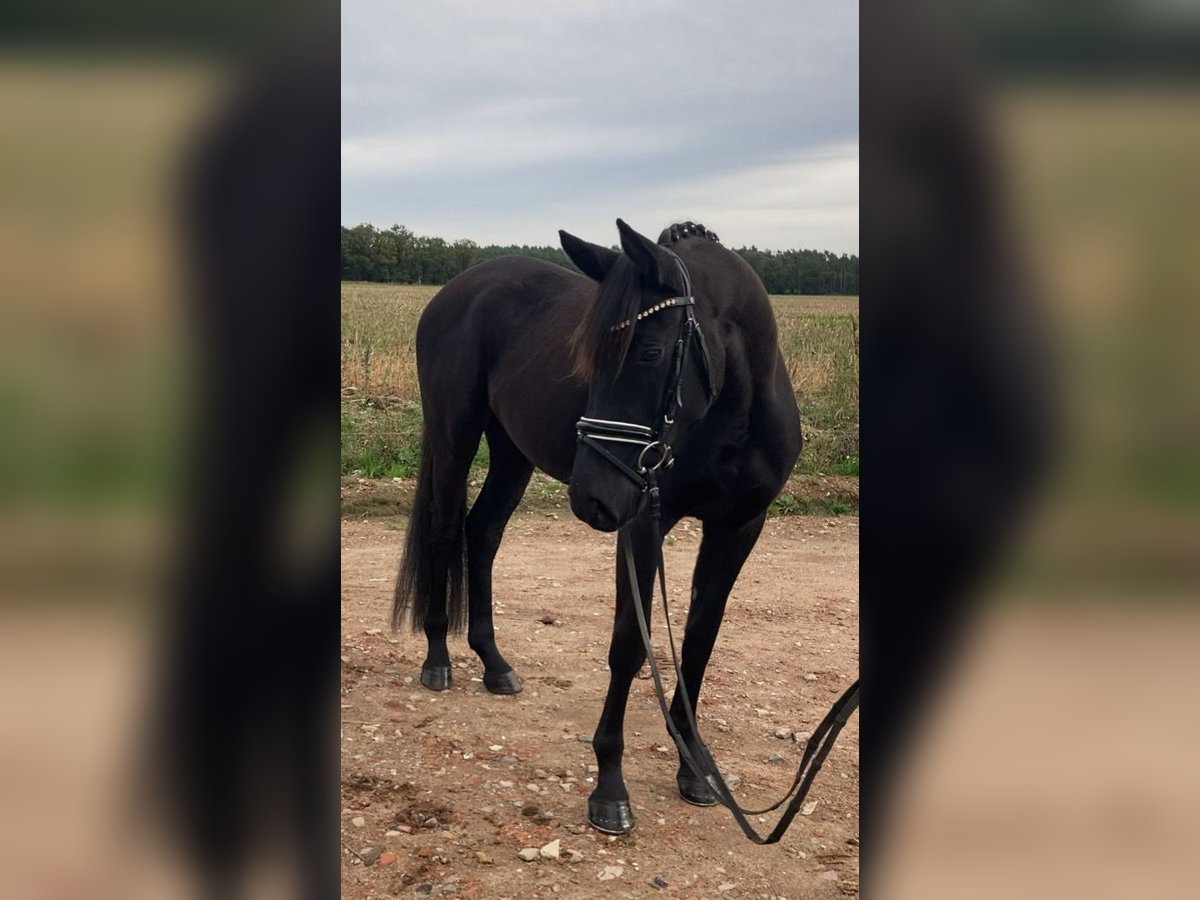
[467, 147]
[503, 122]
[810, 201]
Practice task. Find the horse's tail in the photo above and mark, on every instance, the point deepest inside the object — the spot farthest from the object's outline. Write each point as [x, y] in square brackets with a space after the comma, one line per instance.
[432, 561]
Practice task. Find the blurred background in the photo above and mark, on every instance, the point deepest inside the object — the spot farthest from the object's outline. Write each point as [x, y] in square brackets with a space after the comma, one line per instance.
[94, 370]
[164, 474]
[1046, 750]
[167, 505]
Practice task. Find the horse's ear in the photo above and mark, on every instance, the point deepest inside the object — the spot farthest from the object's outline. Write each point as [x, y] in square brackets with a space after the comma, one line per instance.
[593, 260]
[657, 264]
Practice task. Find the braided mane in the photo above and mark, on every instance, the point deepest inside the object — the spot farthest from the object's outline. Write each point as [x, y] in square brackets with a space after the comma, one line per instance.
[679, 231]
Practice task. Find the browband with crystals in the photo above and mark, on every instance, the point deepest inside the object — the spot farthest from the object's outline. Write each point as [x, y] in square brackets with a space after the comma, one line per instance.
[657, 307]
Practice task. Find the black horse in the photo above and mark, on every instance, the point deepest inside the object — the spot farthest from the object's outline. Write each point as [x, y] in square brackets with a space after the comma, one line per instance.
[664, 358]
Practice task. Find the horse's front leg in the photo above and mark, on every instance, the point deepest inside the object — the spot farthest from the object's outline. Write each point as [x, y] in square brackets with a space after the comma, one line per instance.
[608, 806]
[723, 551]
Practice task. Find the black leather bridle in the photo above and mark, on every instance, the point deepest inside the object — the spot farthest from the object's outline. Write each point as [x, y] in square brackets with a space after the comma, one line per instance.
[653, 441]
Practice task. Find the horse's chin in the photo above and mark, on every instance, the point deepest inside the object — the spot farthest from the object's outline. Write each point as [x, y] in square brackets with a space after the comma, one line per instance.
[606, 529]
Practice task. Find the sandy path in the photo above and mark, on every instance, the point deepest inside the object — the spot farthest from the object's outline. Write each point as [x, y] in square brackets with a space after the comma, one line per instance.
[410, 757]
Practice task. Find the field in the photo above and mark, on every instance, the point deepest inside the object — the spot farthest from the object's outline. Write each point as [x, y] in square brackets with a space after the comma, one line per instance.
[381, 416]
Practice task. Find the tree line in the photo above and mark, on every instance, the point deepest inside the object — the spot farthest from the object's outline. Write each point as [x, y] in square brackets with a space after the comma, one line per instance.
[397, 255]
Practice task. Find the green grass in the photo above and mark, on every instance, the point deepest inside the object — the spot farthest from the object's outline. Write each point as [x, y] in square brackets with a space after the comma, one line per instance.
[381, 412]
[847, 465]
[380, 441]
[787, 504]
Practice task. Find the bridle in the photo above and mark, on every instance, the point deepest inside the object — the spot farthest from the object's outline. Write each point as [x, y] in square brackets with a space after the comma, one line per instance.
[653, 440]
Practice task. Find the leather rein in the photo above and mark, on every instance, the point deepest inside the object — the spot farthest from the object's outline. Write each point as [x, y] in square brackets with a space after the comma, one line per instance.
[656, 454]
[702, 763]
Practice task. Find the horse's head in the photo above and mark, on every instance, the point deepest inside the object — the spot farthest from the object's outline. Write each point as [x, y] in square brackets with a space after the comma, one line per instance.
[650, 379]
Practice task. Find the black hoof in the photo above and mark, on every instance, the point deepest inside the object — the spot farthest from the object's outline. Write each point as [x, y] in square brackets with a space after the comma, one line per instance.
[436, 678]
[610, 816]
[694, 791]
[502, 682]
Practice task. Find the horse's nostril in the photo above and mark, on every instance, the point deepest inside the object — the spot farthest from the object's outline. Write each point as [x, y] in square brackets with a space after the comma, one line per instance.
[602, 518]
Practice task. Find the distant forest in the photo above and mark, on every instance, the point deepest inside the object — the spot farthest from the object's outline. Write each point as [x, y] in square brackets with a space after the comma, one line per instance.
[397, 255]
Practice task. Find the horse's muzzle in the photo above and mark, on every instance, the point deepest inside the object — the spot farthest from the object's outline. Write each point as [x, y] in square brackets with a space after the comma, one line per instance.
[594, 513]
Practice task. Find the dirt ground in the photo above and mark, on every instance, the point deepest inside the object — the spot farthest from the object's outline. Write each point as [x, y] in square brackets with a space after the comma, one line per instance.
[441, 791]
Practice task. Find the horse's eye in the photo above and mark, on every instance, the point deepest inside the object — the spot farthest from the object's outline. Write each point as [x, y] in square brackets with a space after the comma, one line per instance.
[651, 355]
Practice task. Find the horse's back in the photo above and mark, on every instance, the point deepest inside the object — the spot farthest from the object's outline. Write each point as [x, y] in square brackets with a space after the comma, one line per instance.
[495, 340]
[491, 300]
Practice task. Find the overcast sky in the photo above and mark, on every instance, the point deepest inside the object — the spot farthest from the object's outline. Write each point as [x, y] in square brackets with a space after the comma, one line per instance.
[505, 121]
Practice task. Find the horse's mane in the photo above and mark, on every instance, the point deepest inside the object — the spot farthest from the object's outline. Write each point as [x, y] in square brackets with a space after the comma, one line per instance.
[594, 341]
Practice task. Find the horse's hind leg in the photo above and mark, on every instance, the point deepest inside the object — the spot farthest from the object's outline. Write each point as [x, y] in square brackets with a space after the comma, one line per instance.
[431, 589]
[451, 465]
[507, 477]
[723, 551]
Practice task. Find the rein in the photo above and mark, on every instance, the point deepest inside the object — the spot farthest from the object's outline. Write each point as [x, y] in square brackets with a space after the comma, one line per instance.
[702, 763]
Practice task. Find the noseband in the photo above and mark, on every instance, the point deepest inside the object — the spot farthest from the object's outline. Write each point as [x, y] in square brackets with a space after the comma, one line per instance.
[654, 440]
